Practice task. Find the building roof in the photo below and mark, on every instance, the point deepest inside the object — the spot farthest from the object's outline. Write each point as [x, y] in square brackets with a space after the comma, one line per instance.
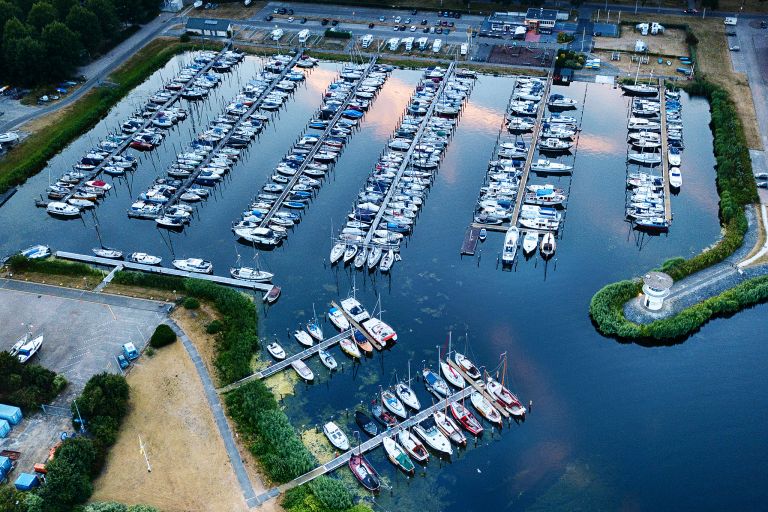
[206, 24]
[541, 14]
[657, 280]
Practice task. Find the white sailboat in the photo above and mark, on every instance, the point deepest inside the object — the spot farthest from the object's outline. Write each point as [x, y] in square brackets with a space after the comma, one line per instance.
[406, 394]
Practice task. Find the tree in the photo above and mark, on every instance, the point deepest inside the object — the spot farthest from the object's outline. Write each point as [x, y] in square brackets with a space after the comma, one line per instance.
[8, 499]
[65, 486]
[105, 12]
[14, 29]
[41, 14]
[103, 404]
[24, 60]
[86, 25]
[63, 7]
[62, 48]
[7, 11]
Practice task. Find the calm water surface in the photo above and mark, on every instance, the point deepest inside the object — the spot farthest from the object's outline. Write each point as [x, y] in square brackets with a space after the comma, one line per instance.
[614, 426]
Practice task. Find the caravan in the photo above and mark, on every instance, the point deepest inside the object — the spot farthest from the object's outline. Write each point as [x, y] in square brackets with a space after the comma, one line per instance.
[303, 36]
[437, 45]
[423, 42]
[366, 41]
[393, 44]
[408, 42]
[277, 34]
[464, 48]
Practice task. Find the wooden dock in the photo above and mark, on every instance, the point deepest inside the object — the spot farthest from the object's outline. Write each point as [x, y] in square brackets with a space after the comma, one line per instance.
[190, 180]
[471, 238]
[531, 151]
[309, 157]
[150, 269]
[286, 363]
[176, 95]
[665, 152]
[366, 446]
[408, 155]
[359, 327]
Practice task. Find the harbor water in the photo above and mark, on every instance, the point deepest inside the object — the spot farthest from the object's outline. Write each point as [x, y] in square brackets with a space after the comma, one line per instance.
[613, 426]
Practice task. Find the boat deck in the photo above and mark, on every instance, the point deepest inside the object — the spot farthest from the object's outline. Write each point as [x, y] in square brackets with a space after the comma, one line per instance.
[471, 238]
[127, 265]
[320, 142]
[286, 363]
[176, 95]
[665, 153]
[531, 151]
[366, 446]
[189, 181]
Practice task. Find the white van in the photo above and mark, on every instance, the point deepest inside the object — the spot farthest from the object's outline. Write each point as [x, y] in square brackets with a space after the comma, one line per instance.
[366, 41]
[437, 45]
[731, 21]
[464, 48]
[303, 36]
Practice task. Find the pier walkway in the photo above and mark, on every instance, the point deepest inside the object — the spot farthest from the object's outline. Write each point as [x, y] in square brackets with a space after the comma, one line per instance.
[224, 140]
[366, 446]
[665, 152]
[286, 363]
[127, 265]
[359, 327]
[408, 155]
[309, 157]
[175, 96]
[531, 150]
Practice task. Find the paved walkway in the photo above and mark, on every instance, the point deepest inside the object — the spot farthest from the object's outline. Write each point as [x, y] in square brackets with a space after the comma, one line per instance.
[221, 422]
[705, 284]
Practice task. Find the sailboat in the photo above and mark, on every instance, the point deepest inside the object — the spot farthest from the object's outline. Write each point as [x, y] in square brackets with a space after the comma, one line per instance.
[379, 330]
[548, 245]
[406, 394]
[254, 274]
[313, 327]
[503, 396]
[350, 348]
[485, 408]
[449, 428]
[392, 403]
[639, 89]
[398, 456]
[450, 373]
[413, 446]
[27, 346]
[465, 417]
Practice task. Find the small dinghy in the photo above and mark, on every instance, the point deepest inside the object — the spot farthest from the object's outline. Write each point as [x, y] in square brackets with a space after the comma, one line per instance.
[272, 295]
[328, 360]
[276, 351]
[382, 416]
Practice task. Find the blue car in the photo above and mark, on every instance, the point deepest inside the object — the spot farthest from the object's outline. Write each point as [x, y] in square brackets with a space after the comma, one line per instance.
[122, 361]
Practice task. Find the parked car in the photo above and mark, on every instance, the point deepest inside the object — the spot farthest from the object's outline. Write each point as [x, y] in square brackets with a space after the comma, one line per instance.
[122, 361]
[303, 21]
[371, 25]
[397, 19]
[735, 48]
[764, 24]
[129, 351]
[414, 12]
[413, 28]
[281, 10]
[290, 19]
[424, 21]
[334, 23]
[324, 22]
[381, 18]
[730, 33]
[269, 17]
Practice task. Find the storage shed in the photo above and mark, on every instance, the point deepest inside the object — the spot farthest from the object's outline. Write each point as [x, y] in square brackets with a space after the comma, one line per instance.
[209, 28]
[10, 414]
[26, 482]
[5, 429]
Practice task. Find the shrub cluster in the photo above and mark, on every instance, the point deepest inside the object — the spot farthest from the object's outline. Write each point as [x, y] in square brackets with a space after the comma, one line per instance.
[103, 405]
[162, 282]
[27, 386]
[191, 303]
[162, 336]
[569, 59]
[307, 498]
[20, 263]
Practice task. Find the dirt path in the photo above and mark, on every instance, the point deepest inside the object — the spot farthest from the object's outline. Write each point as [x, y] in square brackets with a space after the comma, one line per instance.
[190, 467]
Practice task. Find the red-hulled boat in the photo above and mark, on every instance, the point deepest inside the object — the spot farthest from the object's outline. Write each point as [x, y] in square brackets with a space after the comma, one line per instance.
[505, 397]
[364, 472]
[465, 417]
[383, 416]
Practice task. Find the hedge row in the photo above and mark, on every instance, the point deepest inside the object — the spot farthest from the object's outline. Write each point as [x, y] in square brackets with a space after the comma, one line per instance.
[20, 263]
[736, 188]
[146, 280]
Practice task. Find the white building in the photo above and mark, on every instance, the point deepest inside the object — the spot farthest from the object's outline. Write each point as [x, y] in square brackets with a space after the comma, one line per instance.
[656, 287]
[209, 28]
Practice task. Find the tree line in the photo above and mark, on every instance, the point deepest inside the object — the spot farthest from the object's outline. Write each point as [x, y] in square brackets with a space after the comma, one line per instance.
[43, 41]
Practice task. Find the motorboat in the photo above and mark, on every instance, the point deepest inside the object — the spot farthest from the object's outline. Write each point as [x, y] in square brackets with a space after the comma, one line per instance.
[510, 245]
[354, 309]
[26, 347]
[366, 423]
[59, 209]
[276, 351]
[106, 252]
[303, 337]
[465, 418]
[413, 446]
[398, 456]
[675, 178]
[251, 274]
[452, 376]
[328, 360]
[482, 235]
[558, 101]
[144, 258]
[350, 348]
[548, 245]
[383, 416]
[505, 397]
[392, 403]
[449, 428]
[467, 366]
[303, 370]
[407, 396]
[380, 331]
[338, 319]
[550, 167]
[272, 295]
[362, 342]
[435, 384]
[674, 157]
[195, 265]
[652, 224]
[530, 242]
[364, 473]
[428, 431]
[337, 438]
[645, 158]
[485, 408]
[553, 144]
[36, 252]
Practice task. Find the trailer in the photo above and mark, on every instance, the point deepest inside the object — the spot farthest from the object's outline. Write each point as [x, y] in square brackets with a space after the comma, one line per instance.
[408, 42]
[5, 428]
[393, 44]
[26, 482]
[464, 48]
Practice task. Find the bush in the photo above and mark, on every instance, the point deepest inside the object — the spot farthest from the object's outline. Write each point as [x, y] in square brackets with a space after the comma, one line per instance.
[191, 303]
[563, 37]
[27, 386]
[162, 336]
[331, 493]
[305, 499]
[103, 404]
[111, 506]
[184, 38]
[332, 33]
[144, 279]
[68, 480]
[149, 352]
[215, 327]
[19, 263]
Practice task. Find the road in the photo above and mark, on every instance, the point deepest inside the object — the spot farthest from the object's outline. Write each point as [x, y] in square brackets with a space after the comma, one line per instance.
[96, 71]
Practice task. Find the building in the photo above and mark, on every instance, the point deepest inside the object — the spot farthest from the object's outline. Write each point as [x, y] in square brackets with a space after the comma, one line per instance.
[209, 28]
[540, 19]
[656, 287]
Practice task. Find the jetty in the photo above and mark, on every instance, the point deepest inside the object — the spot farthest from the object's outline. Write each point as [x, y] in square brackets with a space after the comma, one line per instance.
[286, 363]
[309, 157]
[408, 155]
[359, 327]
[479, 387]
[151, 269]
[175, 96]
[190, 180]
[665, 153]
[366, 446]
